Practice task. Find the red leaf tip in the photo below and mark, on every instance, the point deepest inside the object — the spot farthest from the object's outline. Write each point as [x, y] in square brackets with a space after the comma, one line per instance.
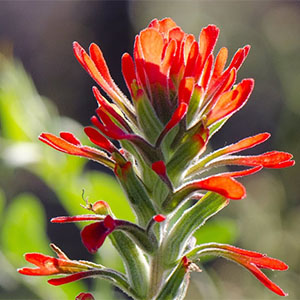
[159, 218]
[85, 296]
[159, 168]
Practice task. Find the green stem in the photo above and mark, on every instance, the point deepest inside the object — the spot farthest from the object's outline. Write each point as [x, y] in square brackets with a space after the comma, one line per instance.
[156, 275]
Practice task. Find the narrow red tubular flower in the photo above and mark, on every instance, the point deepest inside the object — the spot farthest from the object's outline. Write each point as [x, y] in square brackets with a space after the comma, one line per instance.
[79, 218]
[98, 139]
[108, 127]
[72, 277]
[94, 235]
[223, 185]
[251, 260]
[68, 143]
[48, 265]
[85, 296]
[96, 66]
[220, 157]
[231, 101]
[109, 109]
[273, 159]
[246, 143]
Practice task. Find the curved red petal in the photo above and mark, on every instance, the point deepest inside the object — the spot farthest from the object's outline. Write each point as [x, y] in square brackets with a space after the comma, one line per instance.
[61, 144]
[231, 101]
[243, 172]
[128, 70]
[71, 278]
[224, 185]
[177, 116]
[105, 105]
[99, 61]
[165, 25]
[152, 46]
[191, 60]
[246, 143]
[80, 218]
[94, 235]
[110, 128]
[207, 72]
[168, 58]
[265, 280]
[98, 139]
[85, 296]
[272, 159]
[185, 89]
[220, 63]
[70, 137]
[207, 41]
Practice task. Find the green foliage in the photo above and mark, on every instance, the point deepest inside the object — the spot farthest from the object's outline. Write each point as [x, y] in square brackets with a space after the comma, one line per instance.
[23, 115]
[24, 218]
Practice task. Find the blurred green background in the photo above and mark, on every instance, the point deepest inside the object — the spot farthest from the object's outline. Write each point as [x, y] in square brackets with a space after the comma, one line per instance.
[37, 183]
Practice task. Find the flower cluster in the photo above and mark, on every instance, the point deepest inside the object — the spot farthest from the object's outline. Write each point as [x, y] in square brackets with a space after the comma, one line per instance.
[180, 96]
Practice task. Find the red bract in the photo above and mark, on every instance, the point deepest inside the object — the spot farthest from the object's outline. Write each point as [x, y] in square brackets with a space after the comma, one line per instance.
[68, 143]
[94, 235]
[85, 296]
[251, 260]
[48, 265]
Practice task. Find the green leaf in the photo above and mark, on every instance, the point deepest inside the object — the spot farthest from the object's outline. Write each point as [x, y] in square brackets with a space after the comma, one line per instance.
[176, 285]
[136, 193]
[148, 120]
[134, 260]
[191, 220]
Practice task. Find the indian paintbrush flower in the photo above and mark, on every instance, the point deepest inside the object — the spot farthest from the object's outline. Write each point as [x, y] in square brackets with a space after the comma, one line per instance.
[180, 96]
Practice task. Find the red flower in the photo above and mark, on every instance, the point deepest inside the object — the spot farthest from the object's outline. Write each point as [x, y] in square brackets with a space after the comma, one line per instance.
[94, 235]
[169, 67]
[85, 296]
[251, 260]
[48, 265]
[68, 143]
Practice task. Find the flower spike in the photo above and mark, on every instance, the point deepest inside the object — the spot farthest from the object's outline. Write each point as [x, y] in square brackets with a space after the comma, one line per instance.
[156, 143]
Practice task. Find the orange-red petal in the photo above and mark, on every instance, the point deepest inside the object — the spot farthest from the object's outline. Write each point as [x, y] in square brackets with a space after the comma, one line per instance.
[231, 101]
